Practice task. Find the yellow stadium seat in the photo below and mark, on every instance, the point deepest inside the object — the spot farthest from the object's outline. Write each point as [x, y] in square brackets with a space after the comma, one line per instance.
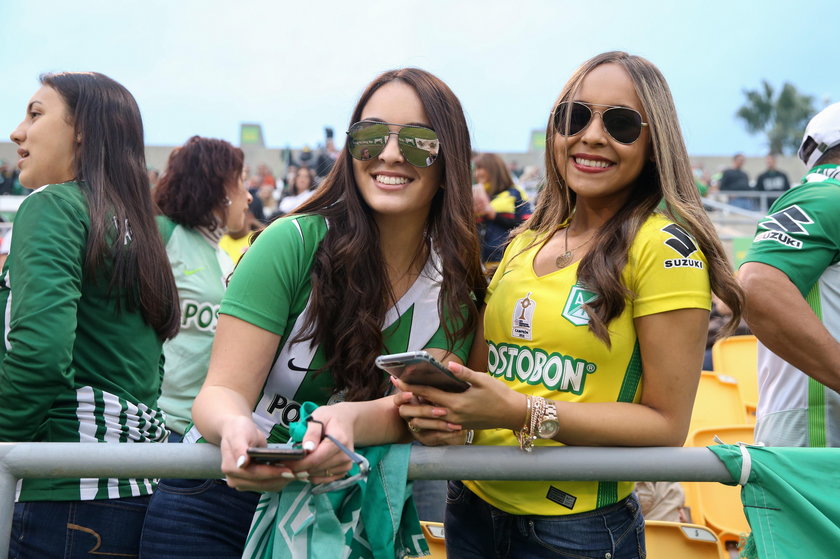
[716, 505]
[433, 531]
[736, 356]
[718, 402]
[676, 540]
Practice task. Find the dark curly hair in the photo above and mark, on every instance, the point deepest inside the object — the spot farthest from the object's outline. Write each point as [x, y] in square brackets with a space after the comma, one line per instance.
[194, 186]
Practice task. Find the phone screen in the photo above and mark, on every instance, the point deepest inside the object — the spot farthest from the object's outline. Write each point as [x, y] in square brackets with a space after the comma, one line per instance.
[418, 367]
[275, 454]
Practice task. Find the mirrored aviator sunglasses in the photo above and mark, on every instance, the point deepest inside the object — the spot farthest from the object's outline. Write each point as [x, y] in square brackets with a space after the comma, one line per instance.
[418, 145]
[623, 124]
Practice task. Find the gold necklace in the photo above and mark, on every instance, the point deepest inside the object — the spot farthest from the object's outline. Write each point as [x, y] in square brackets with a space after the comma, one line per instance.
[566, 258]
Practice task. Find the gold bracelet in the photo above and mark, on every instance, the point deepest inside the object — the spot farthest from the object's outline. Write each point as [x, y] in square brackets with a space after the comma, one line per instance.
[524, 434]
[537, 410]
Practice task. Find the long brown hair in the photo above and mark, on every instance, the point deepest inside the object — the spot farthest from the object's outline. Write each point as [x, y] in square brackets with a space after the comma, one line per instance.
[666, 179]
[110, 166]
[350, 288]
[497, 172]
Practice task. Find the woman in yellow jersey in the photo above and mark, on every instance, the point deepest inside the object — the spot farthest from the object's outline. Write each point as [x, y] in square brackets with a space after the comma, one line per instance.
[595, 322]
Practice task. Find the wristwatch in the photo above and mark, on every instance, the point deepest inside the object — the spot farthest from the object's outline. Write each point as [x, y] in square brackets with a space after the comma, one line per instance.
[547, 424]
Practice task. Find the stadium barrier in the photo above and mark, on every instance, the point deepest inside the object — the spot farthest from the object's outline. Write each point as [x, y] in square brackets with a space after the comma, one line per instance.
[109, 460]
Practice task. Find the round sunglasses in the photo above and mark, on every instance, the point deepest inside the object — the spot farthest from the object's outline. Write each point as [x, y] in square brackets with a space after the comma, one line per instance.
[623, 124]
[418, 145]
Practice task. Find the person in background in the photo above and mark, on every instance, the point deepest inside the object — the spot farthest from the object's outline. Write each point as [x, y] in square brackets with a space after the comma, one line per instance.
[301, 189]
[154, 177]
[7, 178]
[736, 179]
[772, 180]
[265, 176]
[507, 207]
[791, 277]
[327, 157]
[200, 197]
[594, 325]
[202, 194]
[87, 300]
[236, 242]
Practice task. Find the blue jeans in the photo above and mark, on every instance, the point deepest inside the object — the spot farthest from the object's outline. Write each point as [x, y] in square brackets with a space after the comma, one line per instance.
[102, 529]
[477, 530]
[198, 518]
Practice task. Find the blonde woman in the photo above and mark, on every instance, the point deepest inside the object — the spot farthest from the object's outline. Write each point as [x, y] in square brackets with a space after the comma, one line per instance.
[595, 322]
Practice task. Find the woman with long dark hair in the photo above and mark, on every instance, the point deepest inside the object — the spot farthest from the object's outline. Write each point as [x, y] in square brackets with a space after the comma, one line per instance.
[595, 321]
[88, 299]
[382, 259]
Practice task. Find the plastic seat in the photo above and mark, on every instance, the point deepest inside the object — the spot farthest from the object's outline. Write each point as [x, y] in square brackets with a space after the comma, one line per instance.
[677, 540]
[716, 505]
[737, 356]
[433, 531]
[718, 402]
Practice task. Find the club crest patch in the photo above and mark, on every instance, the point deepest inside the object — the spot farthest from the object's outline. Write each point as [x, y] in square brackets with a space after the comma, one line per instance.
[523, 317]
[573, 310]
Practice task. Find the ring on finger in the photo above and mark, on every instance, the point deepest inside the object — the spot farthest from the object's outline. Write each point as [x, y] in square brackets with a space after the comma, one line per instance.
[414, 428]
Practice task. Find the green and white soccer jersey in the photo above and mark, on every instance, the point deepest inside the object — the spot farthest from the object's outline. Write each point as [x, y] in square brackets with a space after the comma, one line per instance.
[271, 289]
[74, 368]
[201, 269]
[540, 344]
[801, 237]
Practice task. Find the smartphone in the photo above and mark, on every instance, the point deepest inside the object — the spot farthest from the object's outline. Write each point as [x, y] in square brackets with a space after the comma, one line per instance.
[275, 454]
[418, 367]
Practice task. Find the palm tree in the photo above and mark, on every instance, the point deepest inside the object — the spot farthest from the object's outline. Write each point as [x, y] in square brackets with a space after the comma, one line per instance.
[781, 117]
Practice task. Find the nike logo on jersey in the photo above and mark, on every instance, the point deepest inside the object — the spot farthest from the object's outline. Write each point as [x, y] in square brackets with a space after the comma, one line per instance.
[194, 271]
[294, 367]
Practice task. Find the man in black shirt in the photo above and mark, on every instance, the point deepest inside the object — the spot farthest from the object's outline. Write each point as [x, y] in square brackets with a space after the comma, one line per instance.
[772, 180]
[736, 179]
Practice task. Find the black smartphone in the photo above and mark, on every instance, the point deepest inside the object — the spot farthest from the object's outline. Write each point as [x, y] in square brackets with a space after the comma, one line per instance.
[275, 454]
[418, 367]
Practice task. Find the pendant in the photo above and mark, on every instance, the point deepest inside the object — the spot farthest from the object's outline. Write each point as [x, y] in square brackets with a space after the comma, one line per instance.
[564, 259]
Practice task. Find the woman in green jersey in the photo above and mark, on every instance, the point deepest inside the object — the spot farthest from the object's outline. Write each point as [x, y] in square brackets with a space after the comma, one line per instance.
[87, 298]
[595, 321]
[201, 196]
[383, 258]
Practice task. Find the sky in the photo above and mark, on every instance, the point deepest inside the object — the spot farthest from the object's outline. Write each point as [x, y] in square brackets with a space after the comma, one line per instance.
[204, 67]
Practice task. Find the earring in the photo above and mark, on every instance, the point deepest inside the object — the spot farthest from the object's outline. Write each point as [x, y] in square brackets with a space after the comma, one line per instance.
[227, 201]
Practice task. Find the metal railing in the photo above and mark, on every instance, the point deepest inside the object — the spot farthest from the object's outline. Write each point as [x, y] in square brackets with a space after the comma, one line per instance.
[199, 461]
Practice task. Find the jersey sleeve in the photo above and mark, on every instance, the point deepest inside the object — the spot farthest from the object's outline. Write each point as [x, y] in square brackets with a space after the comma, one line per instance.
[270, 273]
[801, 235]
[666, 270]
[44, 273]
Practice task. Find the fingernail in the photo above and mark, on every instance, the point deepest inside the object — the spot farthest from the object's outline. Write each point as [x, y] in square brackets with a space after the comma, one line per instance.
[287, 475]
[240, 462]
[308, 446]
[302, 475]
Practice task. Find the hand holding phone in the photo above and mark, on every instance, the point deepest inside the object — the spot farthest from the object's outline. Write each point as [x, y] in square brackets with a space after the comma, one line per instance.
[418, 367]
[275, 454]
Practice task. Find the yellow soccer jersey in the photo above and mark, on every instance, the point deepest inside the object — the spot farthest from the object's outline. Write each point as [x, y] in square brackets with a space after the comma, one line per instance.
[540, 344]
